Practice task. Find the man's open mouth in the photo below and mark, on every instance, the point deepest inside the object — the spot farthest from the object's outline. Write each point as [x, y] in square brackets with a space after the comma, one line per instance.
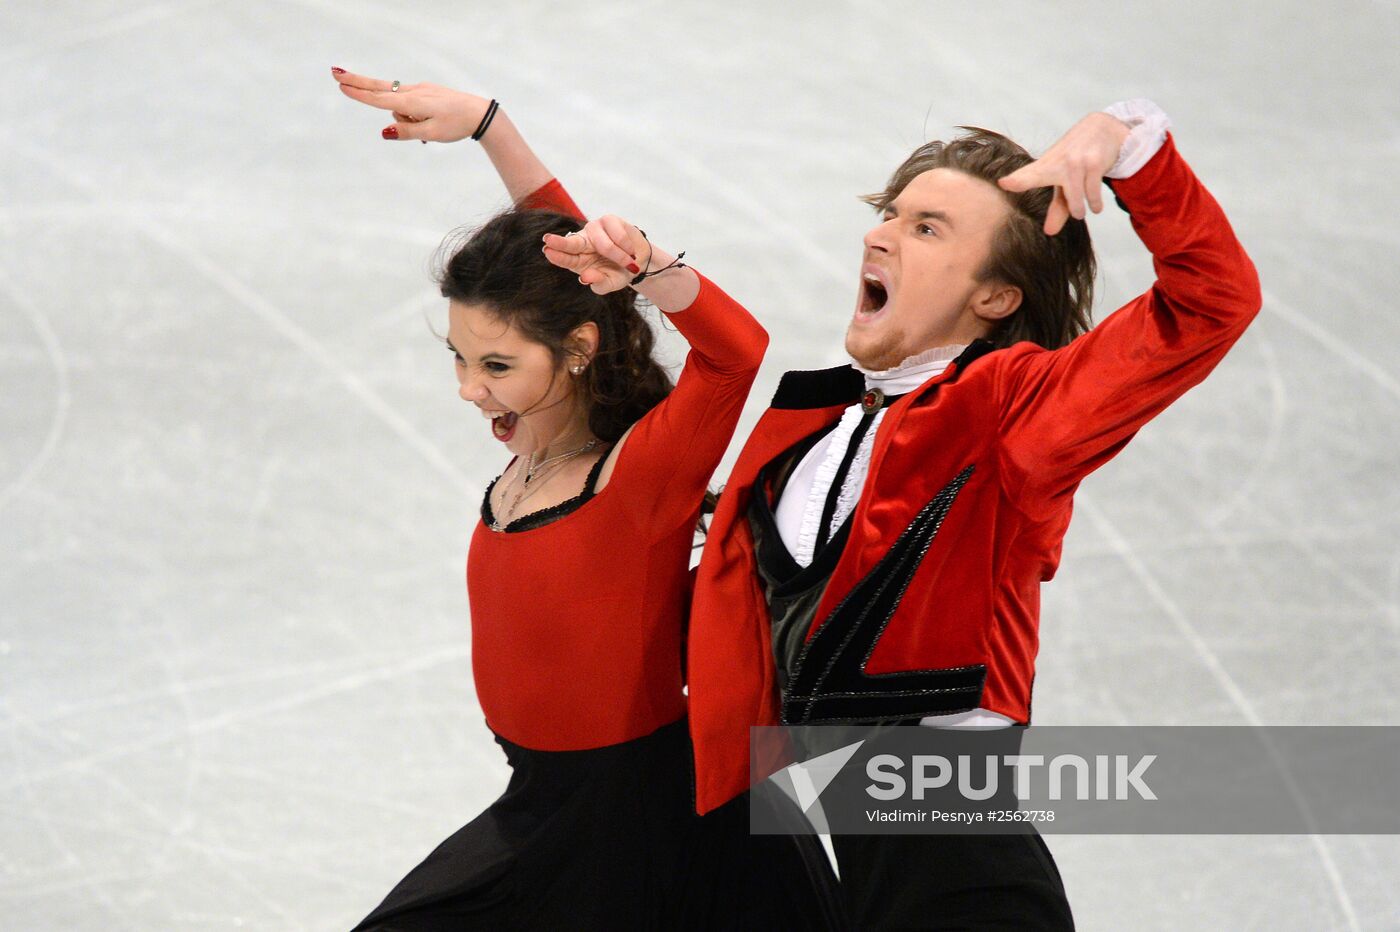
[874, 293]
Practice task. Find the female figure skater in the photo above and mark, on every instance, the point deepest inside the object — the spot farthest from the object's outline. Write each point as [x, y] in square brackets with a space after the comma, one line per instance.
[577, 572]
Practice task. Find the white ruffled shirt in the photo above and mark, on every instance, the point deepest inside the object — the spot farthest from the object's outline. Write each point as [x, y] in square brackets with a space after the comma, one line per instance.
[799, 511]
[804, 496]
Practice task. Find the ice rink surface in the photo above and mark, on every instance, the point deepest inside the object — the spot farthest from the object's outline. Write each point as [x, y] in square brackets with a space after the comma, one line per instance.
[237, 484]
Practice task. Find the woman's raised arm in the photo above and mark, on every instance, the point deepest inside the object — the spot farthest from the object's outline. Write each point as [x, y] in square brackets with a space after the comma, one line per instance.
[432, 113]
[674, 448]
[608, 253]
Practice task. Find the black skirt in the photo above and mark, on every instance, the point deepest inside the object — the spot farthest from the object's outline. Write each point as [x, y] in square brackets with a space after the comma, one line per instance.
[608, 838]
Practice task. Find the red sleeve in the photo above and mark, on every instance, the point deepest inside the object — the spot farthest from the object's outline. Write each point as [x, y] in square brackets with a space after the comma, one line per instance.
[551, 196]
[1068, 411]
[674, 449]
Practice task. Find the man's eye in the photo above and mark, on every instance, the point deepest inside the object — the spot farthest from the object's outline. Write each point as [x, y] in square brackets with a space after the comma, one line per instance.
[924, 228]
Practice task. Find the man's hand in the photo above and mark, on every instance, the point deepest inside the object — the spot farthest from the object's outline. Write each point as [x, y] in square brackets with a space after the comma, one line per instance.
[1074, 166]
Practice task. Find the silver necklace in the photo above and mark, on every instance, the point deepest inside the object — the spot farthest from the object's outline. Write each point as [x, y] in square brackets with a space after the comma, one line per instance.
[531, 467]
[524, 491]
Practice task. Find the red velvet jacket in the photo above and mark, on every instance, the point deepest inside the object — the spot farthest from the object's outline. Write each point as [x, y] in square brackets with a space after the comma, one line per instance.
[934, 603]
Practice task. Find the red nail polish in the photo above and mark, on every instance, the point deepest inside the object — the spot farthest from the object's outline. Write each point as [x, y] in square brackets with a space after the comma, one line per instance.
[634, 268]
[390, 132]
[337, 71]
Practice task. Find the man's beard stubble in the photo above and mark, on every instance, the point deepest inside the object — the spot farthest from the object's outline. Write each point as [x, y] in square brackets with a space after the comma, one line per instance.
[885, 354]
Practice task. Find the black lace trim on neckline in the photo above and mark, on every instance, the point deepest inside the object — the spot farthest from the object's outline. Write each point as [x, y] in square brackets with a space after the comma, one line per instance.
[548, 515]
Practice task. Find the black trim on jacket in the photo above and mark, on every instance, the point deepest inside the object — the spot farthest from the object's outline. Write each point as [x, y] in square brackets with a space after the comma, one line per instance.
[828, 683]
[804, 389]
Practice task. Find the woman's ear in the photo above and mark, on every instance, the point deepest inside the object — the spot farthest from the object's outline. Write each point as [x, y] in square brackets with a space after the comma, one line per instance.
[583, 341]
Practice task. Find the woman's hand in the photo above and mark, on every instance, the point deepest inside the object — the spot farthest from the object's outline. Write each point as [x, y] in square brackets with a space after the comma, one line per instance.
[421, 111]
[603, 254]
[1075, 166]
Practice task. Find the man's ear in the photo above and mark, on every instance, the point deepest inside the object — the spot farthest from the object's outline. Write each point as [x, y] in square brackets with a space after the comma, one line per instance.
[995, 300]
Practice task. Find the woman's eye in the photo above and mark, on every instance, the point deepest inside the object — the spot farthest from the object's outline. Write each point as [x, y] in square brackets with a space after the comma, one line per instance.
[496, 366]
[457, 358]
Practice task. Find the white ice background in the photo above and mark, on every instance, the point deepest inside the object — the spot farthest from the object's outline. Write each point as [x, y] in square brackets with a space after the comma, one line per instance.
[237, 484]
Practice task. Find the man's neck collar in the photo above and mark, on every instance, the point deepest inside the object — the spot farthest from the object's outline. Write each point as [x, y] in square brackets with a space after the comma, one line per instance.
[912, 372]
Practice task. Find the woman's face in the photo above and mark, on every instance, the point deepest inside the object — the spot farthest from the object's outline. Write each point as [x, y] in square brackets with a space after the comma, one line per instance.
[528, 398]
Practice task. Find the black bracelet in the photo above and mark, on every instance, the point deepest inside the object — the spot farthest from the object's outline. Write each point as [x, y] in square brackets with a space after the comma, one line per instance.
[645, 274]
[650, 252]
[486, 120]
[676, 263]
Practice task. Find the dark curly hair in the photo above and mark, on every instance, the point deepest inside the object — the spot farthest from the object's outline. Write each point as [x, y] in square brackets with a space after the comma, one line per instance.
[500, 266]
[1055, 273]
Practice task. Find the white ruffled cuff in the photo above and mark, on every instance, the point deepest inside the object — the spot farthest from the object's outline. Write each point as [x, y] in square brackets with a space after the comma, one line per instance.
[1148, 124]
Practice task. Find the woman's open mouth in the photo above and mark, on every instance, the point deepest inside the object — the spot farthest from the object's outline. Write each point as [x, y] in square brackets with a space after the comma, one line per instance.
[503, 425]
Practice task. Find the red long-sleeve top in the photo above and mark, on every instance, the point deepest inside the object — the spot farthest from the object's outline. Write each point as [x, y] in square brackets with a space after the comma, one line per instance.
[577, 624]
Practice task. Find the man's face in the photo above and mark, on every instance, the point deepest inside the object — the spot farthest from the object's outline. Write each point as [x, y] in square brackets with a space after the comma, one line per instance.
[918, 284]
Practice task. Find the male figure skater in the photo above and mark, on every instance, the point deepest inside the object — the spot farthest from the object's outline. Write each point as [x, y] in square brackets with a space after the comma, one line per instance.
[878, 550]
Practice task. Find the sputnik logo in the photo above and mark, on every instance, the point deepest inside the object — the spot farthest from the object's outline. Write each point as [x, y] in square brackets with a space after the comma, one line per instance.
[805, 781]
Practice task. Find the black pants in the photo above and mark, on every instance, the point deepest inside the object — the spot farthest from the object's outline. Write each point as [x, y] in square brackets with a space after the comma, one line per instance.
[976, 883]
